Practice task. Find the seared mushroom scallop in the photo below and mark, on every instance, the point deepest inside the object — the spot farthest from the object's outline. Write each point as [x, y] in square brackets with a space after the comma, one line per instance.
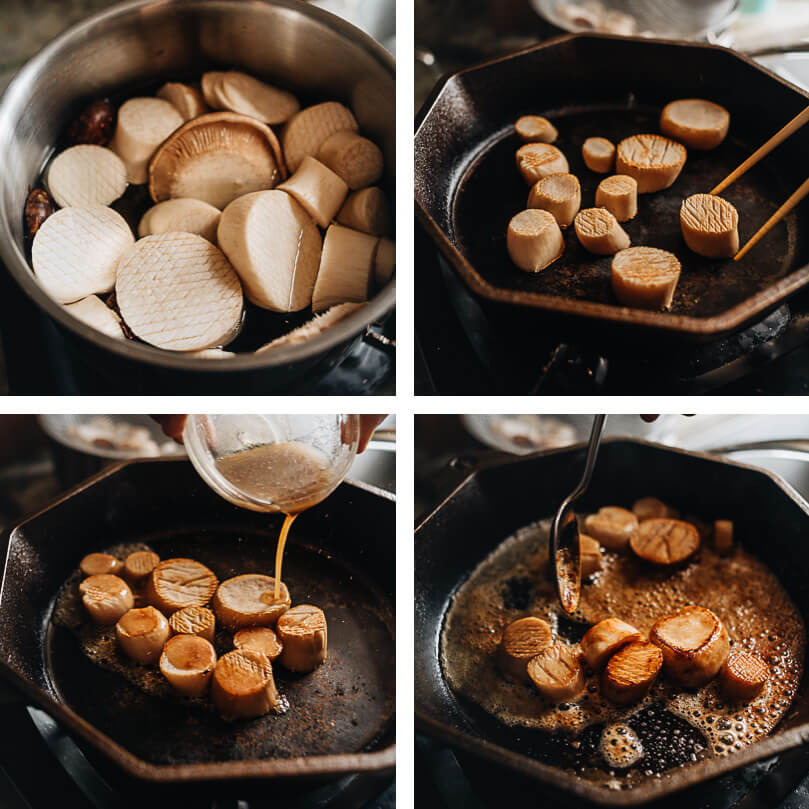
[188, 662]
[249, 600]
[743, 676]
[612, 527]
[598, 155]
[178, 583]
[591, 556]
[106, 597]
[534, 240]
[139, 564]
[645, 277]
[535, 129]
[710, 226]
[664, 541]
[538, 160]
[599, 232]
[196, 620]
[559, 194]
[653, 161]
[243, 685]
[141, 634]
[522, 639]
[259, 639]
[650, 508]
[557, 673]
[697, 123]
[723, 537]
[619, 195]
[603, 639]
[631, 672]
[694, 643]
[302, 632]
[94, 564]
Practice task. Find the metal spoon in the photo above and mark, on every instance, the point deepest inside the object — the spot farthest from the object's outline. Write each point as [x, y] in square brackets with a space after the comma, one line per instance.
[565, 530]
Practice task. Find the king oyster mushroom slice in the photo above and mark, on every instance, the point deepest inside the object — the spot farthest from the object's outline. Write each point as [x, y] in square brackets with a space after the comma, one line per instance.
[177, 291]
[76, 251]
[318, 189]
[143, 124]
[384, 261]
[308, 129]
[241, 93]
[346, 268]
[94, 312]
[366, 210]
[185, 215]
[317, 325]
[187, 100]
[216, 158]
[86, 175]
[274, 247]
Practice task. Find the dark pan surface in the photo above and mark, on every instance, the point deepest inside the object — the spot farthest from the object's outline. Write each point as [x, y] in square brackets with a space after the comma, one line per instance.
[340, 717]
[490, 505]
[492, 191]
[468, 187]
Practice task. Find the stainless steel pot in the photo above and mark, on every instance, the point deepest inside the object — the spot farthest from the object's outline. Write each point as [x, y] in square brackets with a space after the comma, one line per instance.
[138, 43]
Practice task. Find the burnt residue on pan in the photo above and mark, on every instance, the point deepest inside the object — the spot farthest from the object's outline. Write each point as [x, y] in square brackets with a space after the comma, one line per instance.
[619, 747]
[491, 191]
[343, 706]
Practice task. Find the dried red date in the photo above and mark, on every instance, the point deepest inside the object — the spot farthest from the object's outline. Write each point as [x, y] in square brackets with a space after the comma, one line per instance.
[95, 124]
[38, 207]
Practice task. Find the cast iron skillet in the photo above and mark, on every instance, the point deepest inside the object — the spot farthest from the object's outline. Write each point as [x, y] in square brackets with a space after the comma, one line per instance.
[771, 521]
[467, 186]
[341, 558]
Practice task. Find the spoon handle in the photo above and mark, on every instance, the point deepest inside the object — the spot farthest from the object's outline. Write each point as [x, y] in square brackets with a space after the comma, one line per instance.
[592, 451]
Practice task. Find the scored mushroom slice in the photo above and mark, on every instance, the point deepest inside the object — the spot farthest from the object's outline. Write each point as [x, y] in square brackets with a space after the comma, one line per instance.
[306, 131]
[106, 597]
[598, 154]
[141, 634]
[384, 262]
[694, 643]
[317, 189]
[249, 600]
[94, 564]
[317, 325]
[619, 195]
[612, 526]
[357, 160]
[216, 158]
[664, 541]
[188, 663]
[346, 273]
[557, 673]
[366, 210]
[590, 554]
[243, 685]
[698, 123]
[178, 583]
[177, 291]
[538, 160]
[274, 247]
[259, 639]
[522, 640]
[194, 621]
[645, 277]
[743, 676]
[182, 214]
[723, 537]
[631, 672]
[187, 100]
[599, 232]
[238, 92]
[605, 638]
[95, 313]
[534, 240]
[710, 226]
[653, 161]
[76, 251]
[86, 175]
[139, 564]
[143, 124]
[650, 508]
[535, 129]
[559, 194]
[302, 631]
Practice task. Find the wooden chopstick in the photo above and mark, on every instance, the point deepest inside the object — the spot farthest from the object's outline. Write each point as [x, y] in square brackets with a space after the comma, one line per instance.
[779, 137]
[774, 219]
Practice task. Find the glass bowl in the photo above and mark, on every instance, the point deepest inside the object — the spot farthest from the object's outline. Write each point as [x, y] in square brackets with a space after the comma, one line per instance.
[272, 462]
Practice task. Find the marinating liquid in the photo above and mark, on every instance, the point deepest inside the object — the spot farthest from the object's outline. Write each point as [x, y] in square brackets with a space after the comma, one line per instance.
[671, 727]
[289, 475]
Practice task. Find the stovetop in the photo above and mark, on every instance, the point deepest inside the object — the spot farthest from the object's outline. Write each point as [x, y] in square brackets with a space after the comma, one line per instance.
[41, 766]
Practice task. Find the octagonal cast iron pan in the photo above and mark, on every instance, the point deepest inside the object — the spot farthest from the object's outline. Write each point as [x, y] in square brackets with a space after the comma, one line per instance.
[467, 185]
[771, 522]
[340, 556]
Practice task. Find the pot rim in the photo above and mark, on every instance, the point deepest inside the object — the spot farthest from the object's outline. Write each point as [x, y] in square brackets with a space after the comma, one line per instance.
[20, 269]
